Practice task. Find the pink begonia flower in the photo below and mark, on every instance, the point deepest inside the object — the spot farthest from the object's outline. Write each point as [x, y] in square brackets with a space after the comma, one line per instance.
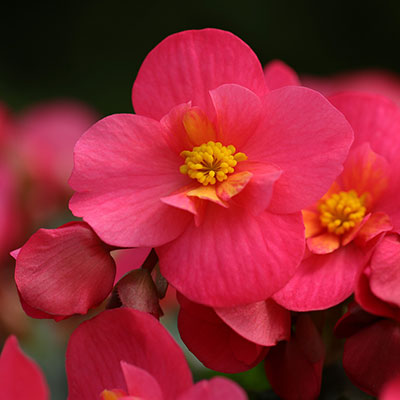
[371, 355]
[361, 204]
[391, 390]
[294, 367]
[235, 339]
[127, 354]
[377, 81]
[208, 172]
[20, 377]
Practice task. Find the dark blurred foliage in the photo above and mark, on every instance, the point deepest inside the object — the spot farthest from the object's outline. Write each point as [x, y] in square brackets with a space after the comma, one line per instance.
[92, 49]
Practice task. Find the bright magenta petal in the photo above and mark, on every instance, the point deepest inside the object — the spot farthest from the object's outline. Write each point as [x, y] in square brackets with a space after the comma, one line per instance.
[217, 388]
[376, 224]
[323, 281]
[73, 266]
[140, 383]
[238, 114]
[187, 65]
[307, 138]
[265, 322]
[324, 243]
[213, 342]
[98, 346]
[371, 356]
[278, 74]
[384, 278]
[391, 390]
[234, 258]
[20, 377]
[122, 168]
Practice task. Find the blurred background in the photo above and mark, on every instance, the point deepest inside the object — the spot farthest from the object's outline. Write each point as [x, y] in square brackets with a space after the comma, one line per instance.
[66, 64]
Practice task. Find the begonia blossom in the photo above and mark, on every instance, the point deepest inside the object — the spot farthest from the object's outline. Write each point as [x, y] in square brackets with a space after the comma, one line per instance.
[361, 204]
[127, 354]
[213, 169]
[20, 377]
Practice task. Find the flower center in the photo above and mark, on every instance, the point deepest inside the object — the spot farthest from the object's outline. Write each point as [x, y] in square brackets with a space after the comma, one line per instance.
[210, 162]
[342, 211]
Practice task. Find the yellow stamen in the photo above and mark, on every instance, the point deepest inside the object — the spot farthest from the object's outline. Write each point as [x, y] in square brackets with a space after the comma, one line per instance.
[342, 211]
[210, 162]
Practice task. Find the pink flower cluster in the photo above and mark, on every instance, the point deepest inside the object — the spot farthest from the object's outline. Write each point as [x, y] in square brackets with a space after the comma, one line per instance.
[263, 200]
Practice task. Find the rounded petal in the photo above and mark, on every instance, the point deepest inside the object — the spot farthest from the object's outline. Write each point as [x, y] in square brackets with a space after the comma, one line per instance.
[213, 342]
[187, 65]
[265, 323]
[234, 258]
[122, 168]
[97, 347]
[140, 383]
[322, 281]
[20, 377]
[298, 121]
[73, 266]
[216, 388]
[278, 74]
[371, 356]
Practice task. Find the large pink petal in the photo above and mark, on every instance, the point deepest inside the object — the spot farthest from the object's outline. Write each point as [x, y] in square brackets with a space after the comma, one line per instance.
[123, 167]
[216, 388]
[265, 322]
[278, 74]
[187, 65]
[97, 347]
[20, 377]
[140, 383]
[323, 281]
[238, 114]
[384, 279]
[64, 271]
[213, 342]
[234, 258]
[371, 356]
[304, 136]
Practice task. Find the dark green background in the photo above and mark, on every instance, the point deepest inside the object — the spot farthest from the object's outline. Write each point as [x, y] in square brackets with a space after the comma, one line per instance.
[92, 50]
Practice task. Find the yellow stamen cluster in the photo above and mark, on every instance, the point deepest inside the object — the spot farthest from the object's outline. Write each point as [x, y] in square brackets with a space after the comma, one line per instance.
[210, 162]
[342, 211]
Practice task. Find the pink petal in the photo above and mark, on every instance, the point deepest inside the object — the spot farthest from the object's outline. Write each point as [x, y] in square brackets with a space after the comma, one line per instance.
[129, 259]
[264, 323]
[366, 172]
[384, 279]
[294, 368]
[323, 281]
[187, 65]
[213, 342]
[223, 262]
[238, 114]
[298, 121]
[377, 223]
[216, 388]
[260, 188]
[391, 390]
[97, 347]
[233, 185]
[371, 356]
[324, 243]
[122, 168]
[72, 264]
[140, 383]
[20, 377]
[278, 74]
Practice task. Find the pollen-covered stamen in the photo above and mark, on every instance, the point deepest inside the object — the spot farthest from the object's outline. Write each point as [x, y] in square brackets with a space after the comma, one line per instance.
[210, 162]
[342, 211]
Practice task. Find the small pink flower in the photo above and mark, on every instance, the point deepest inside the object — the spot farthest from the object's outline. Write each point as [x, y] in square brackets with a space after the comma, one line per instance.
[212, 171]
[20, 377]
[124, 352]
